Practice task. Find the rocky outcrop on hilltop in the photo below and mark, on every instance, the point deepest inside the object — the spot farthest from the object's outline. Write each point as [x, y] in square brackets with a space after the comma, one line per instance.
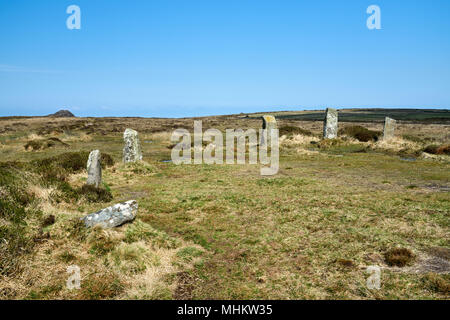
[62, 114]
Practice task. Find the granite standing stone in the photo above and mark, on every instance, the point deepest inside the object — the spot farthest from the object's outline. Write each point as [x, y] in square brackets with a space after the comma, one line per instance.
[112, 216]
[330, 125]
[269, 123]
[94, 168]
[389, 128]
[132, 150]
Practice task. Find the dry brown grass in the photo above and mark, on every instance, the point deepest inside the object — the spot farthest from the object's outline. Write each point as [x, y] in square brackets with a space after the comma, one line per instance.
[298, 140]
[396, 145]
[111, 268]
[438, 283]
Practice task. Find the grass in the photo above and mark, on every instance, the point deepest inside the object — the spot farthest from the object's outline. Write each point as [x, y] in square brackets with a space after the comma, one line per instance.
[16, 206]
[223, 231]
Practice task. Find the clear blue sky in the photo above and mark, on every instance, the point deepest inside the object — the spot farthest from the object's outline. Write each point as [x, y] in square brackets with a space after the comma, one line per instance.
[174, 58]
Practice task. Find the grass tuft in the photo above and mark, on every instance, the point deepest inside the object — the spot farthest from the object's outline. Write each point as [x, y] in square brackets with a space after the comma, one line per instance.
[439, 283]
[48, 221]
[100, 286]
[143, 231]
[399, 257]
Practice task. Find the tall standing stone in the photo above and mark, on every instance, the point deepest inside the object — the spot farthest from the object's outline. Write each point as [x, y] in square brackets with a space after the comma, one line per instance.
[389, 128]
[94, 168]
[132, 150]
[269, 123]
[330, 125]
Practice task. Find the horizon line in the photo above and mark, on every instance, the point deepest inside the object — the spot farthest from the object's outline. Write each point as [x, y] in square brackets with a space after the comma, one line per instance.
[231, 114]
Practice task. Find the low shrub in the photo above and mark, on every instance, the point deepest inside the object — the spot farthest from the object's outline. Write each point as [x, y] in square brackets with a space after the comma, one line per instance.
[76, 229]
[55, 170]
[107, 160]
[399, 257]
[72, 161]
[44, 144]
[445, 149]
[94, 194]
[33, 145]
[360, 133]
[65, 192]
[436, 149]
[290, 131]
[48, 221]
[438, 283]
[15, 207]
[432, 149]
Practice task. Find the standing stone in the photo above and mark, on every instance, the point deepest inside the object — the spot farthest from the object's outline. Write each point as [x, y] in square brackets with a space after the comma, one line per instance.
[269, 123]
[330, 125]
[132, 150]
[94, 168]
[112, 216]
[389, 128]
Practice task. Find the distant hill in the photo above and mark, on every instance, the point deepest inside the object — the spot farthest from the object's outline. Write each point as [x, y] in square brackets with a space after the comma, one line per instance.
[62, 114]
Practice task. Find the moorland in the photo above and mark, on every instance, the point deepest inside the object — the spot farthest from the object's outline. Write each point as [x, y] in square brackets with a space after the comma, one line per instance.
[334, 208]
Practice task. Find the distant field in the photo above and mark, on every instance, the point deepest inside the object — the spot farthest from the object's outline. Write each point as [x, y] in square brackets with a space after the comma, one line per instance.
[374, 115]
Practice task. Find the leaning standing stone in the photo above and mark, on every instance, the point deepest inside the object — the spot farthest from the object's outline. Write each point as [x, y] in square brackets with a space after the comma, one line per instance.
[389, 128]
[268, 124]
[94, 168]
[112, 216]
[132, 149]
[330, 125]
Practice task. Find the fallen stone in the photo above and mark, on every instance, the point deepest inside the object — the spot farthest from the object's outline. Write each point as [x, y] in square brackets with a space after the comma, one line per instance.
[132, 150]
[113, 216]
[389, 128]
[94, 168]
[330, 125]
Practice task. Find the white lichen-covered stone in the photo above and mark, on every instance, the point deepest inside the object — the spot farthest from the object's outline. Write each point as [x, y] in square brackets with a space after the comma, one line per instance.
[268, 124]
[112, 216]
[132, 150]
[389, 128]
[330, 125]
[94, 168]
